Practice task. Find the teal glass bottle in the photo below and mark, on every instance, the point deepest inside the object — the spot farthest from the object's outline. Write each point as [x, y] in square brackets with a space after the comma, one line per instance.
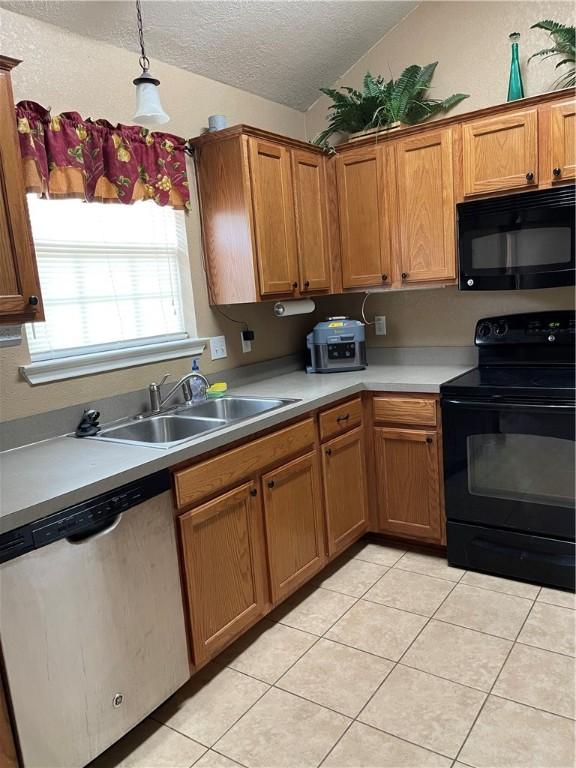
[515, 86]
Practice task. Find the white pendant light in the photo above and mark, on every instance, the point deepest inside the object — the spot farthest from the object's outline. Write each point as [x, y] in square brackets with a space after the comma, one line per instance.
[149, 110]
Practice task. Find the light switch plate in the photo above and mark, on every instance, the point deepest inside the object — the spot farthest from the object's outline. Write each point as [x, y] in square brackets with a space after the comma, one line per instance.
[218, 347]
[246, 345]
[380, 325]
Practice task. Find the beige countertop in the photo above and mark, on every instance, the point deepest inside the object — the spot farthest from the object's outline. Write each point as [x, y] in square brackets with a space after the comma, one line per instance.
[48, 476]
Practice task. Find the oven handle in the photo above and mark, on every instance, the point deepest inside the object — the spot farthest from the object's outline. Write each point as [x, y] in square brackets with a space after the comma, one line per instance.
[497, 403]
[566, 561]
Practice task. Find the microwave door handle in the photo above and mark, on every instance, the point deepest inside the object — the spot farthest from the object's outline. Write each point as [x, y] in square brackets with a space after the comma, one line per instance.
[497, 403]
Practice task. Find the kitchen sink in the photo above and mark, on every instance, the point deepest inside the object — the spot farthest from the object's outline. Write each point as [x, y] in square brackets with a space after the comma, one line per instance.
[187, 422]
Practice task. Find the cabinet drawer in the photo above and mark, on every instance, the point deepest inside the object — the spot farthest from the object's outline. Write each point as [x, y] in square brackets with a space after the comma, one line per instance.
[340, 419]
[405, 410]
[220, 472]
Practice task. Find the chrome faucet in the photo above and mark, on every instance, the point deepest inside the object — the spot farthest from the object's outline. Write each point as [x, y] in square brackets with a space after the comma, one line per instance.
[157, 402]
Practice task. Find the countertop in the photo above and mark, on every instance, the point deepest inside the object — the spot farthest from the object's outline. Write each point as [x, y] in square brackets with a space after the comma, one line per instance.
[49, 476]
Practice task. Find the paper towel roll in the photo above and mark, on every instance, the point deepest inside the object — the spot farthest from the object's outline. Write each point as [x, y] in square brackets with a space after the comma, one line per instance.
[296, 307]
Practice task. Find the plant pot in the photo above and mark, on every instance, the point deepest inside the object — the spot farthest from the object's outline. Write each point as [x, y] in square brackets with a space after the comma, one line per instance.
[358, 135]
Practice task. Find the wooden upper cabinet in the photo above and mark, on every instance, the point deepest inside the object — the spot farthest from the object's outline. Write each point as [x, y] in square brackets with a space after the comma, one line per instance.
[274, 224]
[426, 227]
[294, 529]
[408, 482]
[345, 495]
[224, 562]
[20, 298]
[310, 202]
[363, 214]
[500, 153]
[562, 154]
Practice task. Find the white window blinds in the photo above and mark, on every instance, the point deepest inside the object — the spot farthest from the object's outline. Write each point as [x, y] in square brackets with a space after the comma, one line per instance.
[110, 275]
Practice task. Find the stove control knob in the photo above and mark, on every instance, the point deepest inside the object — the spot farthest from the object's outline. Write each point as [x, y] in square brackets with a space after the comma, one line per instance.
[484, 329]
[470, 283]
[551, 337]
[500, 329]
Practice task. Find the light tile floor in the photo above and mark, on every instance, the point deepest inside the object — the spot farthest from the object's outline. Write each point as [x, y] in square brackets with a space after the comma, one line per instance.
[390, 659]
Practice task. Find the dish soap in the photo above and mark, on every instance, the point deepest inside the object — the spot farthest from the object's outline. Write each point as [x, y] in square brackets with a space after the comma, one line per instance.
[197, 386]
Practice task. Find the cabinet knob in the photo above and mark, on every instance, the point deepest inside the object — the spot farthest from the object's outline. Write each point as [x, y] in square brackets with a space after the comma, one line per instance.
[557, 171]
[384, 278]
[270, 483]
[33, 300]
[429, 440]
[328, 451]
[307, 284]
[404, 275]
[253, 492]
[529, 176]
[294, 285]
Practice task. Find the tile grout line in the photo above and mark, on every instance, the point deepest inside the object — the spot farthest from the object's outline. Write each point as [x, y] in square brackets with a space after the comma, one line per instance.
[494, 683]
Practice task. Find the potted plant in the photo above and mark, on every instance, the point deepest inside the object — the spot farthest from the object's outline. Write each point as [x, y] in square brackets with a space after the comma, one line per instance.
[564, 39]
[385, 104]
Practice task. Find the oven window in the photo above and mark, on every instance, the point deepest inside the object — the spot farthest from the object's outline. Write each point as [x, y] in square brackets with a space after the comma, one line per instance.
[529, 468]
[522, 248]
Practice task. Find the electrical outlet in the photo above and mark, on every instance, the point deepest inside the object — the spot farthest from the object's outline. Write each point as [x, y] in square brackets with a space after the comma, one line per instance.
[380, 325]
[246, 343]
[218, 347]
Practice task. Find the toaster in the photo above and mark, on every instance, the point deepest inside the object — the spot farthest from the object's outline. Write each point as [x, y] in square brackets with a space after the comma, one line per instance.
[338, 344]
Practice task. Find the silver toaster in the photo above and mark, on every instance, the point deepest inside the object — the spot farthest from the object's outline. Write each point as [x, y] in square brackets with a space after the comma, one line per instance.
[338, 344]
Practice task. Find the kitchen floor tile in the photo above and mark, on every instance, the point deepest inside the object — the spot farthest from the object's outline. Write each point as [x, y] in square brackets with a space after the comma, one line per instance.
[336, 676]
[410, 591]
[210, 703]
[557, 597]
[540, 679]
[381, 554]
[352, 577]
[551, 628]
[150, 744]
[433, 713]
[498, 584]
[267, 650]
[283, 730]
[490, 612]
[313, 610]
[510, 735]
[377, 629]
[211, 759]
[429, 565]
[365, 747]
[458, 654]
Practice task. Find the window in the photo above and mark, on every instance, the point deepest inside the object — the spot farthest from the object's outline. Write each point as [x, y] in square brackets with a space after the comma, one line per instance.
[113, 277]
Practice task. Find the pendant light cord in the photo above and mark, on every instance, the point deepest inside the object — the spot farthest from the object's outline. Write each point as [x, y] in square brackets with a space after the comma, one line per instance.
[144, 61]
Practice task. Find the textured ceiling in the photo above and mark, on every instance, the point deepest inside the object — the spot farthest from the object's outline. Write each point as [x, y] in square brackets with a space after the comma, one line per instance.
[283, 50]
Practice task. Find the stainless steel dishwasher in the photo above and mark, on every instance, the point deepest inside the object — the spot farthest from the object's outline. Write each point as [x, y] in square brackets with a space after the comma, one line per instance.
[91, 622]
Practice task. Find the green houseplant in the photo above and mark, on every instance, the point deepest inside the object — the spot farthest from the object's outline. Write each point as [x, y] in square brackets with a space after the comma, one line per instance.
[564, 39]
[383, 103]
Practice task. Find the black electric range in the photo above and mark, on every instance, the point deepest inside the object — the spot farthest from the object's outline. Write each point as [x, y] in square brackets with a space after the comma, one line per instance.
[509, 451]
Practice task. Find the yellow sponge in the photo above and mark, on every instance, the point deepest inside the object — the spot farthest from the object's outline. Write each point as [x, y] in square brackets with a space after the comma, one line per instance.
[217, 390]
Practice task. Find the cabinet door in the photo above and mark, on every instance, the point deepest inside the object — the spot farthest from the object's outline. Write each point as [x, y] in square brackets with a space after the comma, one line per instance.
[562, 142]
[363, 215]
[273, 207]
[20, 298]
[345, 495]
[408, 483]
[224, 562]
[310, 201]
[500, 153]
[426, 210]
[294, 532]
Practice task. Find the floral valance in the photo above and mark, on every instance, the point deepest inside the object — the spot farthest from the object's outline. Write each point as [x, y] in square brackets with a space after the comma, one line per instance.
[67, 156]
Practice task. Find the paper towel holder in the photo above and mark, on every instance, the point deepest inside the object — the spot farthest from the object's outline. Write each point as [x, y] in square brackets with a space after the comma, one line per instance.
[294, 307]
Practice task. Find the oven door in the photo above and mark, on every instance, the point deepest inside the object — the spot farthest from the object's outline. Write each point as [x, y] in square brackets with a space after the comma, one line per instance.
[522, 241]
[510, 464]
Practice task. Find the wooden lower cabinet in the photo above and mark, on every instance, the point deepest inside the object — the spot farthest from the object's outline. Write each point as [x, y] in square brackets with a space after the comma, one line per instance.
[225, 568]
[345, 493]
[293, 522]
[408, 483]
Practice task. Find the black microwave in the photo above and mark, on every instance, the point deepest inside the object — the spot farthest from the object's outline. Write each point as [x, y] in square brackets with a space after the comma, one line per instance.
[518, 241]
